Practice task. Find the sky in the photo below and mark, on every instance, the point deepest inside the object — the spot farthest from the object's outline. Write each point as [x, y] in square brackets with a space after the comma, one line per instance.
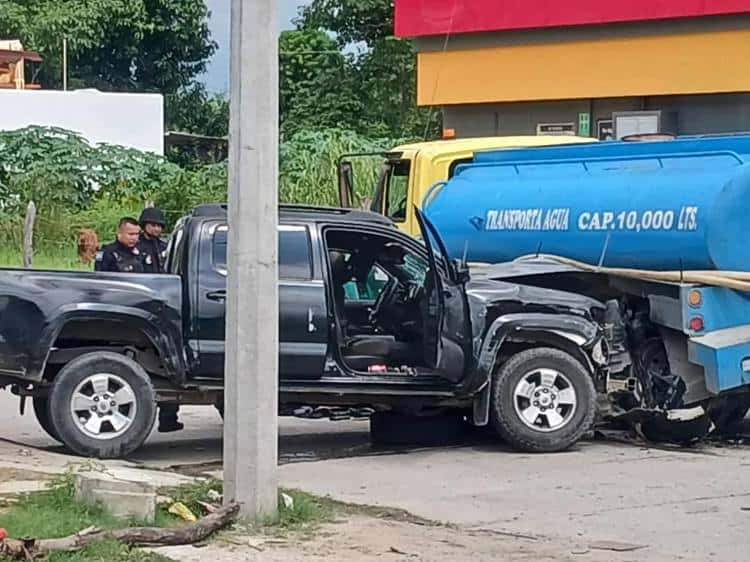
[217, 76]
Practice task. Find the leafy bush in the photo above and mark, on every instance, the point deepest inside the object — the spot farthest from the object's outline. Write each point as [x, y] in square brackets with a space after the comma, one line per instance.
[76, 185]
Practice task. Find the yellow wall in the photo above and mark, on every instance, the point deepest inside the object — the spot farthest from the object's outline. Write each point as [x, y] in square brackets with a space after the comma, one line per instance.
[691, 63]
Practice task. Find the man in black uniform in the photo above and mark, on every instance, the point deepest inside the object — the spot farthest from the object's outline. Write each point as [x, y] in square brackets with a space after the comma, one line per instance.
[154, 251]
[122, 255]
[153, 248]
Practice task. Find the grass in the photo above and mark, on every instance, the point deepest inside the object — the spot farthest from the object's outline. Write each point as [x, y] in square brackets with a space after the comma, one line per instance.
[55, 513]
[305, 513]
[47, 258]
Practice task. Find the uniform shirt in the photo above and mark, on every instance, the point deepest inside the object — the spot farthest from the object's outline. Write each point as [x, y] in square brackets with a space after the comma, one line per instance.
[154, 254]
[119, 258]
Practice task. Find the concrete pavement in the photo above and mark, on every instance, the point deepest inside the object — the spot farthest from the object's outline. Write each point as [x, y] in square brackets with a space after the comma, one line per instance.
[678, 504]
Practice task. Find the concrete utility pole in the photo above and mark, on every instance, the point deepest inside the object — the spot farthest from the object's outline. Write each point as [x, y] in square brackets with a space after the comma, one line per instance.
[251, 392]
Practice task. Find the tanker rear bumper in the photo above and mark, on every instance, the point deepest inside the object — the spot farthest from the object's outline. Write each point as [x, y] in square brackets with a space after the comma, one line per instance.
[724, 356]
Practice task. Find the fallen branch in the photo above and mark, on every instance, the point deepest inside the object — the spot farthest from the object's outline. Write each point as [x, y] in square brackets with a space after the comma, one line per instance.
[30, 549]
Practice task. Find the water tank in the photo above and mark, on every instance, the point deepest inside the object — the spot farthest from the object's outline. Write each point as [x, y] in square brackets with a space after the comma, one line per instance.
[666, 205]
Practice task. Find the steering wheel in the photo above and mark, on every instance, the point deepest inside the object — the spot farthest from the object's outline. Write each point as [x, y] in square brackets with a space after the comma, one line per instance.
[385, 296]
[400, 212]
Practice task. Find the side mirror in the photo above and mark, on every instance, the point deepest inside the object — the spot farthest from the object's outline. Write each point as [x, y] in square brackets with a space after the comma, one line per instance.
[346, 184]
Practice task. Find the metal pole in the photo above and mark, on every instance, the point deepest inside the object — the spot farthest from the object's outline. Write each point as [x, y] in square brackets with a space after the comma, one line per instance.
[65, 64]
[251, 390]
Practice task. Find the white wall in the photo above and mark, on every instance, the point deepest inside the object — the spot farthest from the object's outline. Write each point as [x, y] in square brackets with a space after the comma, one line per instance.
[131, 120]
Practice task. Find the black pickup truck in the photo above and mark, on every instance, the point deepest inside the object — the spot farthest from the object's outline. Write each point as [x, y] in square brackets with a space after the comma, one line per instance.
[371, 320]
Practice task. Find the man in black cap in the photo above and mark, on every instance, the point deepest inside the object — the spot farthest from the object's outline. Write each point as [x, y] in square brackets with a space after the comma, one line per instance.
[153, 248]
[154, 251]
[122, 255]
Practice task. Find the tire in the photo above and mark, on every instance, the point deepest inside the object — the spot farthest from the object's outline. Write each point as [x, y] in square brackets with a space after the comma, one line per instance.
[41, 411]
[569, 395]
[392, 428]
[97, 381]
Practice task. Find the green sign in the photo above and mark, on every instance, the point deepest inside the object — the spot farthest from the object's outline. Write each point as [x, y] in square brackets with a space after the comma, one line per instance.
[584, 125]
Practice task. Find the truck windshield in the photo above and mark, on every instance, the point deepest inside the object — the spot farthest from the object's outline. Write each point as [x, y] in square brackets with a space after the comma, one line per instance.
[393, 189]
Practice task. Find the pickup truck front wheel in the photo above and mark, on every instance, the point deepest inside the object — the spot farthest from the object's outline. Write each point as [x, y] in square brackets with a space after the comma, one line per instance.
[102, 405]
[543, 400]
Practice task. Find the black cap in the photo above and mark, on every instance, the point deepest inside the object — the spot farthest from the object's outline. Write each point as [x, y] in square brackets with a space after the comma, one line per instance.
[152, 215]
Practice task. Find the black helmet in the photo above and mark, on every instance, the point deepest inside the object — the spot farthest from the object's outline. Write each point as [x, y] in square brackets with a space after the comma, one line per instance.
[152, 215]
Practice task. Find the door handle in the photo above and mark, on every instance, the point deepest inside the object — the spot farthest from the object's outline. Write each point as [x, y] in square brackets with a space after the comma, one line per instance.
[311, 328]
[218, 296]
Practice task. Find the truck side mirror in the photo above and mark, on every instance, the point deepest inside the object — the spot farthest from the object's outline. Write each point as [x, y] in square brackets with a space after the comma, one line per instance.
[346, 184]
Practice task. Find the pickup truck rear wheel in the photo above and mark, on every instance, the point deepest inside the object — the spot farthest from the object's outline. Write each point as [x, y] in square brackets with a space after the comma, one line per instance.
[543, 400]
[102, 405]
[41, 411]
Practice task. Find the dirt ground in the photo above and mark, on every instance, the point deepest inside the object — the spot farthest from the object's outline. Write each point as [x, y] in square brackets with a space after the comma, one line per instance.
[361, 538]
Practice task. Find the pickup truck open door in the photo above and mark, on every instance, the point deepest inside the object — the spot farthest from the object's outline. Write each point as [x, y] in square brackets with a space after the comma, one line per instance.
[444, 309]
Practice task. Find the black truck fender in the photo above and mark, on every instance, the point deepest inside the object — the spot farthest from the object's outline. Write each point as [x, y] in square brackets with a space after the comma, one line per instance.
[572, 334]
[164, 339]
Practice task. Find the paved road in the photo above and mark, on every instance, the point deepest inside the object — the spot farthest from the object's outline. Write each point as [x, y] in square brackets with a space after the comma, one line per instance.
[200, 442]
[678, 504]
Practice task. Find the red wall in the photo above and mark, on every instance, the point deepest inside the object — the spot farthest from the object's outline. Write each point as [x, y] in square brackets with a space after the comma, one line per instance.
[435, 17]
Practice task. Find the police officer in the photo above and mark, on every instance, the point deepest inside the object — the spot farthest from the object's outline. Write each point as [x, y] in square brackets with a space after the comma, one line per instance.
[122, 255]
[154, 251]
[153, 248]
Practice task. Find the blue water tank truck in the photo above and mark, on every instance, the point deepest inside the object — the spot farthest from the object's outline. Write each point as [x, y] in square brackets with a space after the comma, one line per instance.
[657, 230]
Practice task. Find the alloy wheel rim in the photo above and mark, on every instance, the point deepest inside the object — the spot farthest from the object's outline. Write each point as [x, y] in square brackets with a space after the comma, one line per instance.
[545, 400]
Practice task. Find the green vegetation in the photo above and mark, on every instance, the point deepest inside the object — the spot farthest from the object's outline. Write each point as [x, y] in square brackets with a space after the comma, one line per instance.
[120, 45]
[55, 513]
[76, 185]
[341, 68]
[305, 512]
[346, 85]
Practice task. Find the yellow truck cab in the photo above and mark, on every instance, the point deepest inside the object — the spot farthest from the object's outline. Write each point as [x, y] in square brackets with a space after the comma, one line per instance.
[410, 170]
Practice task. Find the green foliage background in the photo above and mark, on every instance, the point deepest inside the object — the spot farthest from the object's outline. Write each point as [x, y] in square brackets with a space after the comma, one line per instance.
[346, 84]
[76, 185]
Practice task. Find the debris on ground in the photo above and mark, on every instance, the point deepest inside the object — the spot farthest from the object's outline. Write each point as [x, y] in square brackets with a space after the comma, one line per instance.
[288, 500]
[32, 548]
[616, 546]
[182, 511]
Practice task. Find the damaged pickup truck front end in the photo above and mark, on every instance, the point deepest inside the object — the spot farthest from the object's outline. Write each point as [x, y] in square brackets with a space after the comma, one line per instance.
[657, 375]
[509, 317]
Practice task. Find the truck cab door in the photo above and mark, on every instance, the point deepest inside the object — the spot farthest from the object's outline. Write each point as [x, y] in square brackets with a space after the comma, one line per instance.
[303, 335]
[445, 311]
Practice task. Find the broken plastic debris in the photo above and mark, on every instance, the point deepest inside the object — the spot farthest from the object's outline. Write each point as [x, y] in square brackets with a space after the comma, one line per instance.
[685, 414]
[3, 534]
[288, 500]
[181, 510]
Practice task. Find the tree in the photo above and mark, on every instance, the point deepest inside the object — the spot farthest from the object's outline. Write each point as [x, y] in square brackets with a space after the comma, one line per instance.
[317, 89]
[194, 110]
[123, 45]
[352, 21]
[385, 73]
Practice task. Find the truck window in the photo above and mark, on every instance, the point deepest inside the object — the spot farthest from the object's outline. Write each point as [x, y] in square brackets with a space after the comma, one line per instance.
[294, 252]
[397, 195]
[369, 289]
[174, 250]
